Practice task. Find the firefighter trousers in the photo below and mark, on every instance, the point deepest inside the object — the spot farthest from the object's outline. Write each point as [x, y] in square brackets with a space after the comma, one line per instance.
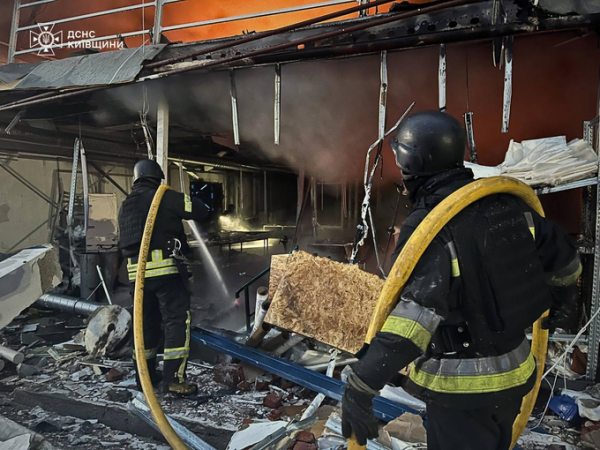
[167, 301]
[488, 428]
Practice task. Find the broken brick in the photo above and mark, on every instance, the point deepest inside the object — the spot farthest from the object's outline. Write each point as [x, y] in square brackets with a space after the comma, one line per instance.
[272, 400]
[304, 446]
[261, 385]
[114, 375]
[244, 386]
[275, 415]
[229, 374]
[292, 411]
[247, 421]
[305, 436]
[285, 384]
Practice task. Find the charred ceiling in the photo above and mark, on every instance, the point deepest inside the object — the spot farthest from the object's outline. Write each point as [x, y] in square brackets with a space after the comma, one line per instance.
[110, 113]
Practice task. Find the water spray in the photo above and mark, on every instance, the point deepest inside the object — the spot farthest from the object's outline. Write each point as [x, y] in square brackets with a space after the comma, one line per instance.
[208, 259]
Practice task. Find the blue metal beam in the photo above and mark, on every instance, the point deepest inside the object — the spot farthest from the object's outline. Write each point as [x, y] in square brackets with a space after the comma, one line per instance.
[384, 409]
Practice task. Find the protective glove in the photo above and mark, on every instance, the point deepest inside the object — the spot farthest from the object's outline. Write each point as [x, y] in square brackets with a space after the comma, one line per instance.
[563, 313]
[357, 410]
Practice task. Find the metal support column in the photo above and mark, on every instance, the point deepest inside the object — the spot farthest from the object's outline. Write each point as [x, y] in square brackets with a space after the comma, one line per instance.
[86, 188]
[442, 79]
[162, 137]
[300, 193]
[157, 30]
[383, 89]
[241, 192]
[234, 108]
[277, 106]
[470, 137]
[313, 191]
[265, 197]
[12, 43]
[508, 64]
[182, 178]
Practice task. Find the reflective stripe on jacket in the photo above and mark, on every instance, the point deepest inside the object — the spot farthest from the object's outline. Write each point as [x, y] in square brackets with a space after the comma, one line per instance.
[157, 266]
[475, 375]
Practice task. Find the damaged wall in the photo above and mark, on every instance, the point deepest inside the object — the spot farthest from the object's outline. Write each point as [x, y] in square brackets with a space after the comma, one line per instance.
[329, 117]
[329, 107]
[25, 217]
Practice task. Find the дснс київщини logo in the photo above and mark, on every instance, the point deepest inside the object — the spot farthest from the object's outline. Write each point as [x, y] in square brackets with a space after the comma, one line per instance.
[45, 39]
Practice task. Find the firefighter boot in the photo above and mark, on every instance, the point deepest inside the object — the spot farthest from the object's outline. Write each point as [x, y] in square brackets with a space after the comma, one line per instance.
[184, 388]
[155, 375]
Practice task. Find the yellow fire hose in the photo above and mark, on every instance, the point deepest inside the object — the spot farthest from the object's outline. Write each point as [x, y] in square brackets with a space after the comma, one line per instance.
[138, 328]
[416, 246]
[405, 264]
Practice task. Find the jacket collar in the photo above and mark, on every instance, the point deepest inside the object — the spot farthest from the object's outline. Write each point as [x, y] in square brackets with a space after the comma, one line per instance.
[441, 185]
[145, 183]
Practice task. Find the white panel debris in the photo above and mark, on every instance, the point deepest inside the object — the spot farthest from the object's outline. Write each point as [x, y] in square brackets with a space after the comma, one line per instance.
[25, 277]
[544, 162]
[22, 442]
[255, 433]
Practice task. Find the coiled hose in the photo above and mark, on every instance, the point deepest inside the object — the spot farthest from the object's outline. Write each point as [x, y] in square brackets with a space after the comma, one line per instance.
[138, 328]
[418, 243]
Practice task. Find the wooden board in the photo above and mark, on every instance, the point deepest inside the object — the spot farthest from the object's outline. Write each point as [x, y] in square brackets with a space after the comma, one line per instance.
[278, 264]
[323, 299]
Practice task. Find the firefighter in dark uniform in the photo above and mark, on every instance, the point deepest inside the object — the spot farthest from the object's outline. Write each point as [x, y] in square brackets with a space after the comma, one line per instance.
[461, 317]
[166, 296]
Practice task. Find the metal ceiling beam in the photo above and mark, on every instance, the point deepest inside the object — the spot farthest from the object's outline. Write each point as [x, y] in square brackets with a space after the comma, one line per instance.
[266, 34]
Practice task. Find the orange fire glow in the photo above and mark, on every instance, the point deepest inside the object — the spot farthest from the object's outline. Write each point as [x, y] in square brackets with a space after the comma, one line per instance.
[176, 13]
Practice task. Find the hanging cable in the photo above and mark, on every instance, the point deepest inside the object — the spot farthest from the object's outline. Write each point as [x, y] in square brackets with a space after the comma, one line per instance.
[144, 122]
[571, 345]
[363, 227]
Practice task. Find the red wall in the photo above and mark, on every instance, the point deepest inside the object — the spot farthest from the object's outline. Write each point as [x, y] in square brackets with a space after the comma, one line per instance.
[555, 85]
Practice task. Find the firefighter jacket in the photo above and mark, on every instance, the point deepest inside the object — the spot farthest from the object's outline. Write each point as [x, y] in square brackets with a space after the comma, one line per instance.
[174, 208]
[462, 315]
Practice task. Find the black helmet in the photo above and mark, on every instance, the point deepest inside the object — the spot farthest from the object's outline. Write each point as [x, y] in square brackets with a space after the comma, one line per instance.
[428, 143]
[146, 168]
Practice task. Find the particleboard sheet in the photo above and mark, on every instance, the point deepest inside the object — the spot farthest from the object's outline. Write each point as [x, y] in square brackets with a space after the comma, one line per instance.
[278, 263]
[325, 300]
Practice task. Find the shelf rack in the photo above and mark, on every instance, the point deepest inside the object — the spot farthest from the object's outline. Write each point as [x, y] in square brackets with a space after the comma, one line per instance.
[589, 246]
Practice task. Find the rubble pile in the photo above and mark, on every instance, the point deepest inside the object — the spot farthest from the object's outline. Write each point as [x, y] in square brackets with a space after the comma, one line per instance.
[63, 393]
[59, 392]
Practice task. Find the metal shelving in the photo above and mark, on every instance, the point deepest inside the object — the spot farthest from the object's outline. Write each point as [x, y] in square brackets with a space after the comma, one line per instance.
[567, 186]
[589, 246]
[591, 133]
[591, 236]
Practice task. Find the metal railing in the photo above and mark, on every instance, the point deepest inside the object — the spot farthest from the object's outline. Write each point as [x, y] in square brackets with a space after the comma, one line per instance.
[256, 15]
[246, 289]
[156, 31]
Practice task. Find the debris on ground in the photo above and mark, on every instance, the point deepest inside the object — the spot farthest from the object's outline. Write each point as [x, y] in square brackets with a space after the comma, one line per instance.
[33, 271]
[408, 429]
[229, 374]
[71, 398]
[254, 433]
